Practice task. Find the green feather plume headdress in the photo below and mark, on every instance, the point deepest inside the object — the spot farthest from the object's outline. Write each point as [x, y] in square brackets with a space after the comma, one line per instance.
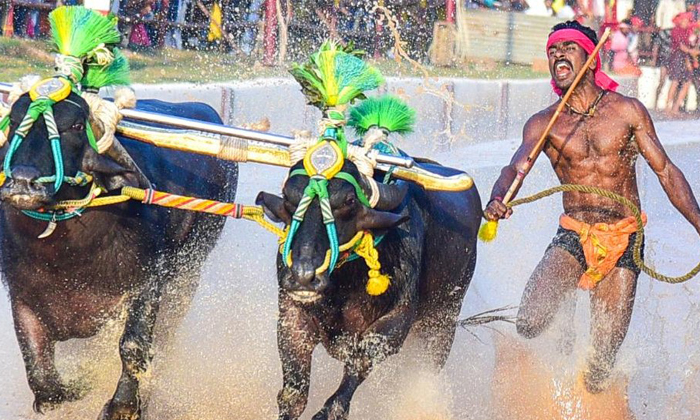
[81, 36]
[335, 76]
[386, 112]
[114, 74]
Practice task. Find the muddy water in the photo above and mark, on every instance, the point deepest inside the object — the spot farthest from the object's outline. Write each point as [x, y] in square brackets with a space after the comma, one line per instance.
[223, 362]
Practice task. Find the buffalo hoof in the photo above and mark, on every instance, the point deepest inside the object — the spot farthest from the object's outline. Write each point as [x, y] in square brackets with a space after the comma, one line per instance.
[333, 411]
[116, 411]
[596, 379]
[49, 398]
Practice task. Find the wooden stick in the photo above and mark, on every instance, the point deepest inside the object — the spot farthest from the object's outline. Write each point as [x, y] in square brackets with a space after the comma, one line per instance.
[534, 154]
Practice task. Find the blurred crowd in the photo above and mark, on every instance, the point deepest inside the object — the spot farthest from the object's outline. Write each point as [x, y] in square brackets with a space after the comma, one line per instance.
[669, 43]
[237, 25]
[662, 34]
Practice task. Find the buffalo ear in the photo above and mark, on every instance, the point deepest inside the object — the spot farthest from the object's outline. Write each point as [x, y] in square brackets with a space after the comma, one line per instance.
[111, 174]
[374, 219]
[273, 206]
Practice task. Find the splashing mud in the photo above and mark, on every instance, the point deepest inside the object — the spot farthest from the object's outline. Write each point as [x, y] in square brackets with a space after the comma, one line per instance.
[526, 387]
[223, 361]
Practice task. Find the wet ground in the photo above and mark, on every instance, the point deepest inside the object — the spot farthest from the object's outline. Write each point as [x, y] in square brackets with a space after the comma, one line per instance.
[224, 363]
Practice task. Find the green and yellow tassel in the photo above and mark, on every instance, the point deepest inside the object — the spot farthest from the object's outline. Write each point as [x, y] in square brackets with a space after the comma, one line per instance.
[334, 76]
[115, 74]
[78, 31]
[387, 112]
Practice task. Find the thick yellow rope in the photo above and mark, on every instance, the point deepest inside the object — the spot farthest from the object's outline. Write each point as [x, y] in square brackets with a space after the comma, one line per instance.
[327, 261]
[377, 282]
[363, 242]
[637, 250]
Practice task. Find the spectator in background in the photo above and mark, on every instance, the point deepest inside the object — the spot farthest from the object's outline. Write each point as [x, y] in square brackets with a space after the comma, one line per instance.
[666, 10]
[517, 5]
[252, 15]
[636, 25]
[620, 47]
[695, 61]
[560, 9]
[680, 67]
[327, 12]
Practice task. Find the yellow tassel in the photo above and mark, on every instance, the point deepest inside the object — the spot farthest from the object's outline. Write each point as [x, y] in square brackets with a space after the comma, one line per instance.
[377, 284]
[488, 230]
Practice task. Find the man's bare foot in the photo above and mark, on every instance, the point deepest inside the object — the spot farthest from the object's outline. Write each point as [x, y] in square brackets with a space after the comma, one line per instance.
[595, 378]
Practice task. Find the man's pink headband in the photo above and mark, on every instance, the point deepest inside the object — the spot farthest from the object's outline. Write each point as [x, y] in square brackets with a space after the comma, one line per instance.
[574, 35]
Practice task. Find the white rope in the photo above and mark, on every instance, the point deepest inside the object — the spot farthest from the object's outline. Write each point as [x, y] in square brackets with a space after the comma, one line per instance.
[70, 67]
[18, 89]
[372, 137]
[302, 142]
[124, 97]
[365, 161]
[100, 55]
[106, 114]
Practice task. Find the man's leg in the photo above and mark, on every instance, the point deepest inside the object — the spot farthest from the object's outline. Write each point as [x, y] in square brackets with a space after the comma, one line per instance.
[611, 310]
[553, 281]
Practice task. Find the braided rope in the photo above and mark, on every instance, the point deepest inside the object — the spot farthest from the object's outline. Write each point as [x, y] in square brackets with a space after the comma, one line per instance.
[377, 283]
[70, 67]
[637, 250]
[100, 55]
[106, 114]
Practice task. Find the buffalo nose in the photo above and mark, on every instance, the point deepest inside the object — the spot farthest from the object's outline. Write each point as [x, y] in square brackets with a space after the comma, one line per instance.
[303, 273]
[25, 175]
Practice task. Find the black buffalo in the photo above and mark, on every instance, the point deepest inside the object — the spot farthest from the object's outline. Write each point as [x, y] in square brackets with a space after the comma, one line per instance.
[128, 255]
[429, 251]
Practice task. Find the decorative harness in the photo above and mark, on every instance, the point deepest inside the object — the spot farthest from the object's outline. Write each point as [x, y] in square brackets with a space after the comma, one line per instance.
[44, 94]
[322, 163]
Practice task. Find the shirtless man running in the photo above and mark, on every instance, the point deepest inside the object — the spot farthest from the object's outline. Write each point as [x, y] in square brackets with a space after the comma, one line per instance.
[595, 141]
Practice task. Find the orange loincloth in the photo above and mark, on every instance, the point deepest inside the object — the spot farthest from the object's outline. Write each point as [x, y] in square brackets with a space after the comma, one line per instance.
[603, 245]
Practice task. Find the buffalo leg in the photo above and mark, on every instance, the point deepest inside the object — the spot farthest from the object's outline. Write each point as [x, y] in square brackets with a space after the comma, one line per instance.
[38, 352]
[438, 326]
[296, 339]
[381, 340]
[136, 352]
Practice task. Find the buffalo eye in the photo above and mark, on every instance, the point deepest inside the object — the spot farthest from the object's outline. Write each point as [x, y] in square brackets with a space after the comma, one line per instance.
[78, 126]
[348, 209]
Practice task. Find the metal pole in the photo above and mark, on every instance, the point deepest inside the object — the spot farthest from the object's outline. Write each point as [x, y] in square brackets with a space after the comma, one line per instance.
[270, 32]
[226, 130]
[450, 10]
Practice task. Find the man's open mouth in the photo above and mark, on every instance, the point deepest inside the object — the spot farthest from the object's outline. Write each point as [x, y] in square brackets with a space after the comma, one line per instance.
[562, 69]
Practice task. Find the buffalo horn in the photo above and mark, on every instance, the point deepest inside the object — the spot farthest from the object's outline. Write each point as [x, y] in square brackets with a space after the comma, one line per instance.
[118, 153]
[391, 195]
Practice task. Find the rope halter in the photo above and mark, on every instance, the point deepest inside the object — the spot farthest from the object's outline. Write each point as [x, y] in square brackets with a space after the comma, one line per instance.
[323, 162]
[44, 94]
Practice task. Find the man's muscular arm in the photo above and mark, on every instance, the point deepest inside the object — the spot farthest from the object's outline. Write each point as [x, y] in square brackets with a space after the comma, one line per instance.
[672, 179]
[495, 209]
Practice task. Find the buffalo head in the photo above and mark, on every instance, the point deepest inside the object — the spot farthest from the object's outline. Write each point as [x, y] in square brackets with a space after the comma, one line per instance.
[33, 163]
[302, 281]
